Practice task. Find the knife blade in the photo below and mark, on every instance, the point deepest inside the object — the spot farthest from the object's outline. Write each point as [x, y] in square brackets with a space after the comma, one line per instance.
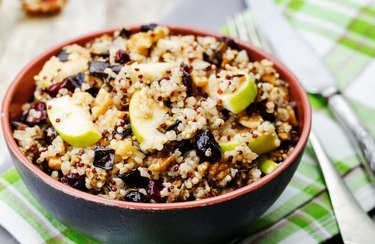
[290, 47]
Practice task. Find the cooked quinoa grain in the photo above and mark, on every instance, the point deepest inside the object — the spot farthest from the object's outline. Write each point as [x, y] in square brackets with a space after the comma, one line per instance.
[157, 117]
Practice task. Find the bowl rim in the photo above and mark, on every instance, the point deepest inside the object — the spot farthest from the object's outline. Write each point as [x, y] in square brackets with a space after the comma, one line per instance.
[57, 185]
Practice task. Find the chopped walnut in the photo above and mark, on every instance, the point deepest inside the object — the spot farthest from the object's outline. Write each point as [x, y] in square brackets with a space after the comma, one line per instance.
[36, 7]
[162, 164]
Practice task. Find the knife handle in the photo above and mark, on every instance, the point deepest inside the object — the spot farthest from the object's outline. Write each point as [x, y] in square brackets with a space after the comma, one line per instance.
[366, 143]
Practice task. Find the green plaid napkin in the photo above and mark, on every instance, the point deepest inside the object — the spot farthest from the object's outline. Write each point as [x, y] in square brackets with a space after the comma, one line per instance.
[343, 34]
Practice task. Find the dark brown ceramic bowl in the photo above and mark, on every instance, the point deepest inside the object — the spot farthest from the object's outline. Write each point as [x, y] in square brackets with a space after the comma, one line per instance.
[211, 220]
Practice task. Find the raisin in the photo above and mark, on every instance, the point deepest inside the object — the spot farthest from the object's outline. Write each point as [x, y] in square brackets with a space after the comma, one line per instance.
[230, 42]
[104, 158]
[134, 196]
[122, 56]
[70, 83]
[62, 56]
[116, 68]
[74, 180]
[207, 147]
[127, 131]
[153, 190]
[134, 179]
[93, 91]
[30, 119]
[145, 28]
[102, 55]
[49, 134]
[186, 78]
[125, 33]
[97, 69]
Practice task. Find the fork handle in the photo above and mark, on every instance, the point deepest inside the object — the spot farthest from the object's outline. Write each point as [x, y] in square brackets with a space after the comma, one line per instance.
[355, 225]
[350, 122]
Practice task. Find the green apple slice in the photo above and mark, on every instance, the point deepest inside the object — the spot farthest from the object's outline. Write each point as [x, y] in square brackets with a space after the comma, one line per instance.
[229, 146]
[73, 123]
[148, 71]
[264, 143]
[266, 165]
[145, 127]
[238, 100]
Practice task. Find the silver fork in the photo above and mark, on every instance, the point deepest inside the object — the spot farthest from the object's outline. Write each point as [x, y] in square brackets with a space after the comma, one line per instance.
[354, 224]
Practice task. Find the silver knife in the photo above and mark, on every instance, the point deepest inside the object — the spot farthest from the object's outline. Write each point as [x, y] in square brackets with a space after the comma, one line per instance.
[289, 46]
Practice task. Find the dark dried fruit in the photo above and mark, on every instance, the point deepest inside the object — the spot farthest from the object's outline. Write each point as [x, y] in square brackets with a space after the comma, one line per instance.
[183, 146]
[134, 179]
[49, 134]
[186, 78]
[102, 55]
[163, 128]
[153, 190]
[230, 42]
[207, 147]
[127, 131]
[32, 118]
[260, 108]
[93, 91]
[63, 56]
[145, 28]
[116, 68]
[125, 33]
[122, 57]
[97, 69]
[70, 83]
[134, 196]
[104, 158]
[74, 180]
[16, 125]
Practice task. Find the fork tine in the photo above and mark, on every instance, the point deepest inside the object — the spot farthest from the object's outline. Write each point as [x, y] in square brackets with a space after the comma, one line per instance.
[231, 27]
[244, 27]
[241, 29]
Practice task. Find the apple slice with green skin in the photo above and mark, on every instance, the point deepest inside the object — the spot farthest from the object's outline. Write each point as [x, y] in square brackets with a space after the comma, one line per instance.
[73, 123]
[149, 71]
[229, 145]
[238, 100]
[145, 127]
[266, 165]
[264, 143]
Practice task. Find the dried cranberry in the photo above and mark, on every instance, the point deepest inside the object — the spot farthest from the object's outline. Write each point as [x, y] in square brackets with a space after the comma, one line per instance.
[207, 147]
[153, 190]
[97, 69]
[122, 56]
[145, 28]
[32, 117]
[230, 42]
[62, 56]
[125, 33]
[134, 196]
[70, 83]
[104, 158]
[93, 91]
[116, 68]
[134, 179]
[186, 78]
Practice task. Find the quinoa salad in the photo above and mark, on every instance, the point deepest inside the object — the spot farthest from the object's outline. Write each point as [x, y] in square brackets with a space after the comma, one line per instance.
[151, 116]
